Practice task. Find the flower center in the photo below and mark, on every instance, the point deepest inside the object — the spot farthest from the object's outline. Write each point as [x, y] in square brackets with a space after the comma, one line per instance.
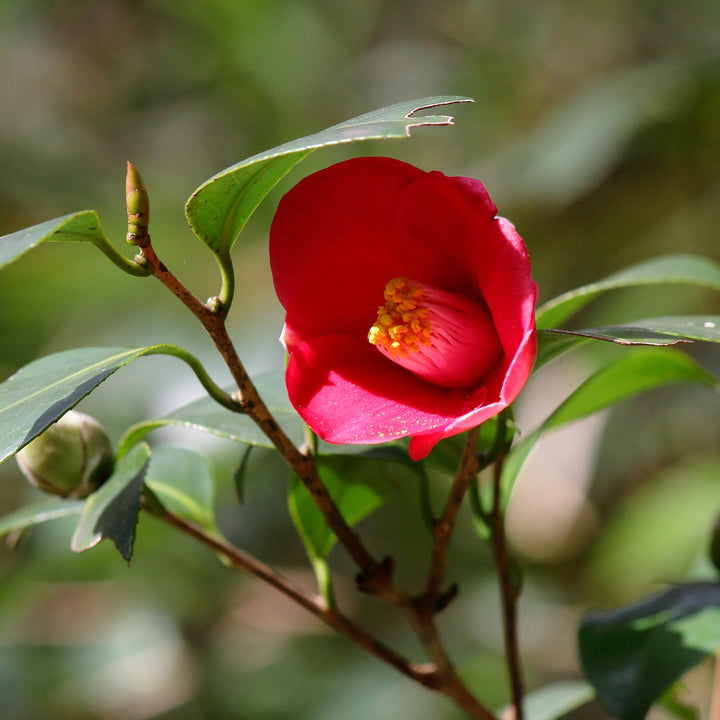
[445, 338]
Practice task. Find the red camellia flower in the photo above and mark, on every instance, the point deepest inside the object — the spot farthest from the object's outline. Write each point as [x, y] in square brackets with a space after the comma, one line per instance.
[410, 306]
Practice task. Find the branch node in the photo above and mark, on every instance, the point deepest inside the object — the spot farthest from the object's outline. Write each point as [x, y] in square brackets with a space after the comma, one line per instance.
[445, 598]
[377, 579]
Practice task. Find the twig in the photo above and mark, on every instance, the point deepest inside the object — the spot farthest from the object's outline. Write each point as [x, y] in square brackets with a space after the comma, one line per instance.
[375, 576]
[440, 679]
[508, 593]
[446, 523]
[315, 604]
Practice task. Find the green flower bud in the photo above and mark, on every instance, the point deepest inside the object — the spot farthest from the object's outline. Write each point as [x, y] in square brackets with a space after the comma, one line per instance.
[138, 207]
[72, 458]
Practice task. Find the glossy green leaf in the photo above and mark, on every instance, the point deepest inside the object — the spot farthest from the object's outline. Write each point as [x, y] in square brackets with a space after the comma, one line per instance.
[705, 328]
[220, 207]
[358, 484]
[183, 481]
[639, 370]
[79, 226]
[668, 269]
[83, 226]
[552, 344]
[40, 512]
[41, 392]
[632, 655]
[112, 511]
[652, 331]
[38, 394]
[553, 702]
[207, 416]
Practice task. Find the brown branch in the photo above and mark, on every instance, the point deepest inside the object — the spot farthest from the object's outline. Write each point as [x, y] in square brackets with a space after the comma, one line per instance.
[168, 279]
[315, 604]
[508, 593]
[445, 678]
[376, 577]
[441, 679]
[445, 525]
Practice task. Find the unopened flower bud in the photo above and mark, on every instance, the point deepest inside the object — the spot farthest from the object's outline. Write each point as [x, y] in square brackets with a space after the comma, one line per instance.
[72, 458]
[138, 207]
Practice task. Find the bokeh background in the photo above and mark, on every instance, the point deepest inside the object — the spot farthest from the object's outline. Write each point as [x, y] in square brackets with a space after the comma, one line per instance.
[596, 130]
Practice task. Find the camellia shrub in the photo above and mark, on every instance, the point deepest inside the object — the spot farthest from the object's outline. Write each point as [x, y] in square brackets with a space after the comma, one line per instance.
[411, 327]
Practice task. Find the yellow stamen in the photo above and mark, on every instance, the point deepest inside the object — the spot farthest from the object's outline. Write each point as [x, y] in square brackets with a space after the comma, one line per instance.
[402, 326]
[444, 337]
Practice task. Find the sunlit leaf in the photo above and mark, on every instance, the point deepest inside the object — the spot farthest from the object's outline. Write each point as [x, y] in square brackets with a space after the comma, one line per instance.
[112, 511]
[207, 416]
[632, 655]
[219, 208]
[621, 335]
[79, 226]
[684, 327]
[358, 485]
[637, 371]
[38, 394]
[40, 512]
[668, 269]
[652, 331]
[183, 481]
[41, 392]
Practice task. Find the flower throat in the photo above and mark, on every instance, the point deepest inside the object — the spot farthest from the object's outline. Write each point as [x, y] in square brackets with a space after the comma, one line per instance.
[446, 338]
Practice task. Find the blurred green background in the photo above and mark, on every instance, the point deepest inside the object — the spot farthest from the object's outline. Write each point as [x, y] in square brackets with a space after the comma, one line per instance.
[596, 130]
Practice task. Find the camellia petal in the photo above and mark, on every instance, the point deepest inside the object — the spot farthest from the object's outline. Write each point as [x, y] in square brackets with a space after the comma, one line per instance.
[419, 264]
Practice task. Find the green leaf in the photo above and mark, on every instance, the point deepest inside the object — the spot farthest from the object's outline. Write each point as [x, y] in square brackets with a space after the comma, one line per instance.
[112, 511]
[652, 331]
[618, 334]
[552, 344]
[183, 481]
[41, 392]
[553, 702]
[633, 654]
[79, 226]
[207, 416]
[39, 513]
[218, 210]
[637, 371]
[358, 484]
[38, 394]
[691, 327]
[83, 226]
[669, 269]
